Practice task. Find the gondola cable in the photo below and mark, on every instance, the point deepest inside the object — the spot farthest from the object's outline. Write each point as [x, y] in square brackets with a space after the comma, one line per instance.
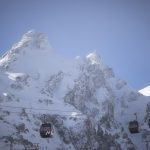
[32, 108]
[35, 113]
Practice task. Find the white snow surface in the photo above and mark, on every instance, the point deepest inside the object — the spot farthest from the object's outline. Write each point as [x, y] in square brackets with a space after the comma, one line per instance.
[145, 91]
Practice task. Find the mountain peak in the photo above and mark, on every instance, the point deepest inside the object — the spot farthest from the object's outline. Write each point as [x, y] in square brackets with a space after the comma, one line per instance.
[32, 46]
[94, 58]
[33, 39]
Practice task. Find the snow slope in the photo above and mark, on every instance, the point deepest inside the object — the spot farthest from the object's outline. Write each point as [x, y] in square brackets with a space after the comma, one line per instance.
[145, 91]
[89, 107]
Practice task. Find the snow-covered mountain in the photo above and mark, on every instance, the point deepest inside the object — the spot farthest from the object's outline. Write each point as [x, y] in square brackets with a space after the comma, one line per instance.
[89, 107]
[145, 91]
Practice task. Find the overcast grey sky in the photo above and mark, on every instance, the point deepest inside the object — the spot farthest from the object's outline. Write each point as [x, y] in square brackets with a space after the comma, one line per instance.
[119, 30]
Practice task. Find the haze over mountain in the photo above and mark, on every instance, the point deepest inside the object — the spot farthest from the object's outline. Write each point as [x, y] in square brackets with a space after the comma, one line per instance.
[89, 107]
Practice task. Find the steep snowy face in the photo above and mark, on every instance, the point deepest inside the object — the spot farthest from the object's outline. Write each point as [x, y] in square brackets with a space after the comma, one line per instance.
[31, 50]
[31, 40]
[92, 80]
[145, 91]
[88, 106]
[33, 55]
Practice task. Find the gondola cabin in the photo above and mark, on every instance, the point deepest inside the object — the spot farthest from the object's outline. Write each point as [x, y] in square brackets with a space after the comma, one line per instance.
[149, 123]
[134, 126]
[46, 130]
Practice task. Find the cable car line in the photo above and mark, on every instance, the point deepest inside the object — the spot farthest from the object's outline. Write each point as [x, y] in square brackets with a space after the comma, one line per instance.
[129, 114]
[37, 108]
[32, 113]
[57, 110]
